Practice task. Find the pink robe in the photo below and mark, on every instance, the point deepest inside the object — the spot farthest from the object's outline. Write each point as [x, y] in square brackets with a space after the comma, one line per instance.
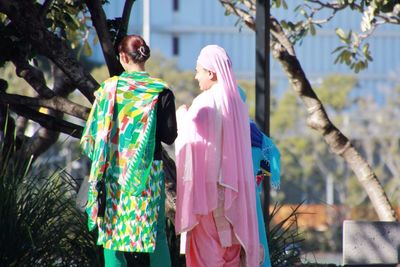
[213, 148]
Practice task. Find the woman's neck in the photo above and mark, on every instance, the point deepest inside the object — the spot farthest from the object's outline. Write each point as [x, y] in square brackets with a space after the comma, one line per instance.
[134, 67]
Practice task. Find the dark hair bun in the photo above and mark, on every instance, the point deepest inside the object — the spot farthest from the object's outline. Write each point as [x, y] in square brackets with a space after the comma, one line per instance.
[141, 54]
[135, 47]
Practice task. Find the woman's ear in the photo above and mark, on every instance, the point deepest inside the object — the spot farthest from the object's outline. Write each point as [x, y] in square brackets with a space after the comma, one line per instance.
[124, 58]
[212, 75]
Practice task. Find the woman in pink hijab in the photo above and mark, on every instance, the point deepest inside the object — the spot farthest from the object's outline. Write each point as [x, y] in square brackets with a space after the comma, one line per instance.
[215, 189]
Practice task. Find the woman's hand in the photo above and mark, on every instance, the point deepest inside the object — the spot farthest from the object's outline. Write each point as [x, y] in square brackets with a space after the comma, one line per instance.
[180, 113]
[181, 108]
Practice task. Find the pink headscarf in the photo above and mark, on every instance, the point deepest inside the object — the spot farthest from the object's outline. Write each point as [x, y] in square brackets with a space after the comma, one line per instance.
[205, 159]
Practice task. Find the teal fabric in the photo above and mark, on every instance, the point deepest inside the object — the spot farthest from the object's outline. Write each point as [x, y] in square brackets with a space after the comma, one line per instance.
[114, 258]
[263, 149]
[161, 256]
[257, 157]
[270, 155]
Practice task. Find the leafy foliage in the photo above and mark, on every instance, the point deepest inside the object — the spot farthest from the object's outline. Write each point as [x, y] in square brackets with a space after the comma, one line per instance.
[284, 239]
[279, 3]
[355, 51]
[350, 53]
[69, 20]
[41, 225]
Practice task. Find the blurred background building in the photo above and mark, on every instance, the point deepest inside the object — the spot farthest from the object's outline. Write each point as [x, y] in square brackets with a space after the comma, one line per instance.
[179, 29]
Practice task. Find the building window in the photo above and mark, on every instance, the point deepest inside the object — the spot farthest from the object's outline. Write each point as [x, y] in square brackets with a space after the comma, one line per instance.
[175, 46]
[175, 5]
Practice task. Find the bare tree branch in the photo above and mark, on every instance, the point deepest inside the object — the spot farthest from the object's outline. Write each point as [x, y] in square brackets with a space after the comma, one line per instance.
[41, 141]
[33, 76]
[56, 103]
[100, 23]
[250, 4]
[126, 14]
[48, 122]
[278, 33]
[380, 18]
[44, 138]
[241, 13]
[388, 17]
[46, 43]
[328, 5]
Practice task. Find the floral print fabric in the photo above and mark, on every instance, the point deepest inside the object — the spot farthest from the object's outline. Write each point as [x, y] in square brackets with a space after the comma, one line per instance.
[119, 138]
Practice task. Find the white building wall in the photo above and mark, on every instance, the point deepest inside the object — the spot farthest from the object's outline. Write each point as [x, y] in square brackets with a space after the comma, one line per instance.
[196, 24]
[201, 22]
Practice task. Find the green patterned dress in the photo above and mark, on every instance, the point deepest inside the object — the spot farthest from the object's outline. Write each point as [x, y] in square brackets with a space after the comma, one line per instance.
[119, 138]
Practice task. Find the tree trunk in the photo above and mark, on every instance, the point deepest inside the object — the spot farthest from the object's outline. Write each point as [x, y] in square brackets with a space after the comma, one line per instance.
[283, 51]
[100, 23]
[318, 120]
[45, 138]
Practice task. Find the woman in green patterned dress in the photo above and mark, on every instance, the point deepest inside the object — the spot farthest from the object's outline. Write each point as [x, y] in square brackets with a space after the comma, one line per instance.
[132, 114]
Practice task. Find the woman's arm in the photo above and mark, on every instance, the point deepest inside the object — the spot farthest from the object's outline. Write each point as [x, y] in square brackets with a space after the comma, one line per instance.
[166, 118]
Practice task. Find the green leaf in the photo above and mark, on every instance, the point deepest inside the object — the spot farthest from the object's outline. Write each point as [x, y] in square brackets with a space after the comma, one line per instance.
[349, 35]
[368, 56]
[338, 49]
[297, 8]
[312, 29]
[363, 64]
[365, 48]
[355, 39]
[291, 25]
[304, 13]
[87, 50]
[71, 22]
[284, 4]
[341, 33]
[345, 56]
[357, 68]
[95, 40]
[284, 24]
